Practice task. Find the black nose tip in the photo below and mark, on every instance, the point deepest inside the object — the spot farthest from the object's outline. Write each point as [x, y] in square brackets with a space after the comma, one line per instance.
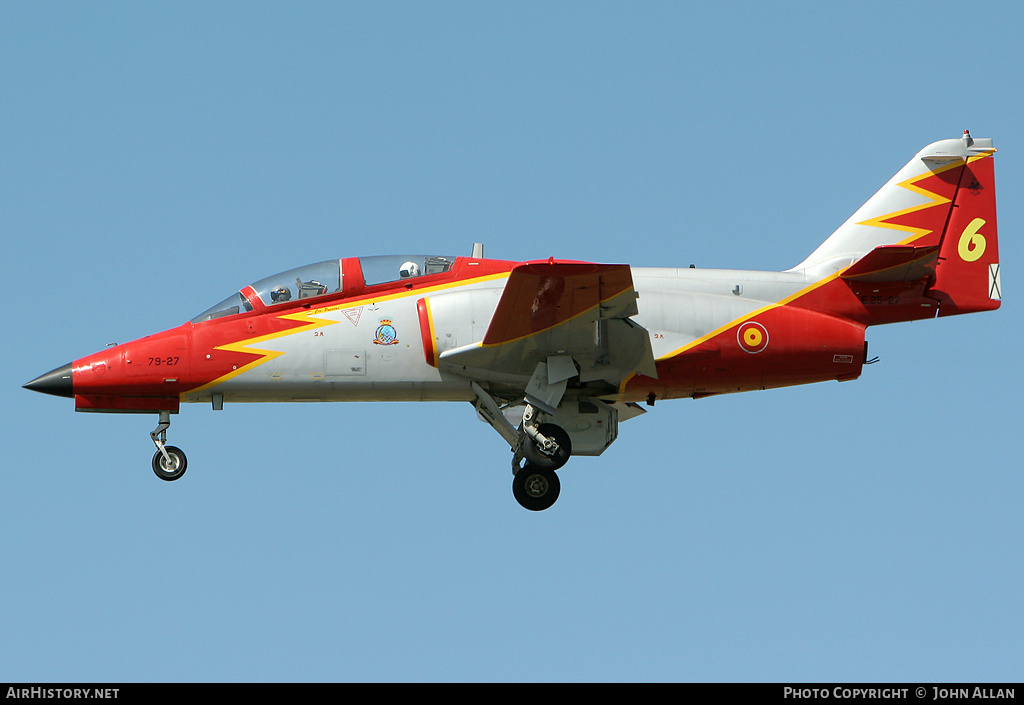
[56, 382]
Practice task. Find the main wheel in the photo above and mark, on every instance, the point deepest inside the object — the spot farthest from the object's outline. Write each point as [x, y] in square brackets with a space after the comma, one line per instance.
[535, 488]
[536, 457]
[173, 470]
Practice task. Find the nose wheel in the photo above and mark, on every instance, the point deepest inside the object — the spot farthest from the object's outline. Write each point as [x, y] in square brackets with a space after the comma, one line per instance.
[169, 462]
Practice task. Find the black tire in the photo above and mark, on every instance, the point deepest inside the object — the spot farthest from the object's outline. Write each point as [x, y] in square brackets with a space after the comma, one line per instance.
[536, 488]
[535, 457]
[176, 470]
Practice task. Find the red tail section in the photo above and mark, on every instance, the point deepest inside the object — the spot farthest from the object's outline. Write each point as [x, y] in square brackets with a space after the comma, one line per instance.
[967, 271]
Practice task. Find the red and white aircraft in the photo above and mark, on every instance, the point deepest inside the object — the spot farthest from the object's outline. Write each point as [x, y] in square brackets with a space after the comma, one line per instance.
[552, 353]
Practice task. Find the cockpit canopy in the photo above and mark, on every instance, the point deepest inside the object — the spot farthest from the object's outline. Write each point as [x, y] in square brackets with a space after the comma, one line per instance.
[389, 268]
[325, 278]
[301, 283]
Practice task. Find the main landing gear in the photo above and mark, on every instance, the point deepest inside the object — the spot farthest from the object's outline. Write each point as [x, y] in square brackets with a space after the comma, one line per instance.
[169, 462]
[546, 447]
[540, 449]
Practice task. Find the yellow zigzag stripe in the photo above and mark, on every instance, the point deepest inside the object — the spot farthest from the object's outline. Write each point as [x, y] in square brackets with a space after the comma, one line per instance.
[934, 199]
[242, 346]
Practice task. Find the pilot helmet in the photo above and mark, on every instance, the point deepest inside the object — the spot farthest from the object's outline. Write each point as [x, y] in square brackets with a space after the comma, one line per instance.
[409, 269]
[280, 293]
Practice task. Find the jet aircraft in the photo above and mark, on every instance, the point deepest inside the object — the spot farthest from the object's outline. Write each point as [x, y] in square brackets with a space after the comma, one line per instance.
[554, 354]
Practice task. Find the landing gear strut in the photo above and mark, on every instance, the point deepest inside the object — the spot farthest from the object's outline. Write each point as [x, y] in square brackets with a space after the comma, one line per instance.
[169, 462]
[553, 452]
[546, 445]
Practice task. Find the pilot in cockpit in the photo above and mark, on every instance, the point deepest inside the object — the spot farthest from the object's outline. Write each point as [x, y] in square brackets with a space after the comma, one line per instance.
[280, 294]
[409, 269]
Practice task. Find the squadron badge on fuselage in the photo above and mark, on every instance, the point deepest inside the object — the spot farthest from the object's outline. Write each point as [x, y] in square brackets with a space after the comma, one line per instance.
[386, 333]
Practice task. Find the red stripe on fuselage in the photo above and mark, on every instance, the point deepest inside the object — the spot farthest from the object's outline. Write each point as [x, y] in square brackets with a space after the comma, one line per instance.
[799, 346]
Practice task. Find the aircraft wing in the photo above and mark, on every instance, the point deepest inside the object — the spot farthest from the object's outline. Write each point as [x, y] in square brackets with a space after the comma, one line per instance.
[557, 310]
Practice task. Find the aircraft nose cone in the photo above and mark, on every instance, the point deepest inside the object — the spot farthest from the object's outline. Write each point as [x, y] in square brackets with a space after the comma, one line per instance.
[56, 382]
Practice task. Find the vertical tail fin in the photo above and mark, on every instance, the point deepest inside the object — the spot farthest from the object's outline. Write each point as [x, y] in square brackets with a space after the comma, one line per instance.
[934, 221]
[967, 271]
[912, 208]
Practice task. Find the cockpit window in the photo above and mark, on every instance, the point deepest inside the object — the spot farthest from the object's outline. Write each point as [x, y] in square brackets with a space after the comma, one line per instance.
[233, 304]
[302, 283]
[389, 268]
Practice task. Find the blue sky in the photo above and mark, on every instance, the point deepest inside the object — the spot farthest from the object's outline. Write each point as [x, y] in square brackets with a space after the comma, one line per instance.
[158, 157]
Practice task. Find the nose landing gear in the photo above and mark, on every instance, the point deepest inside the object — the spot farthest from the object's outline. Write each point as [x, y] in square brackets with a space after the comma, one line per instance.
[169, 462]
